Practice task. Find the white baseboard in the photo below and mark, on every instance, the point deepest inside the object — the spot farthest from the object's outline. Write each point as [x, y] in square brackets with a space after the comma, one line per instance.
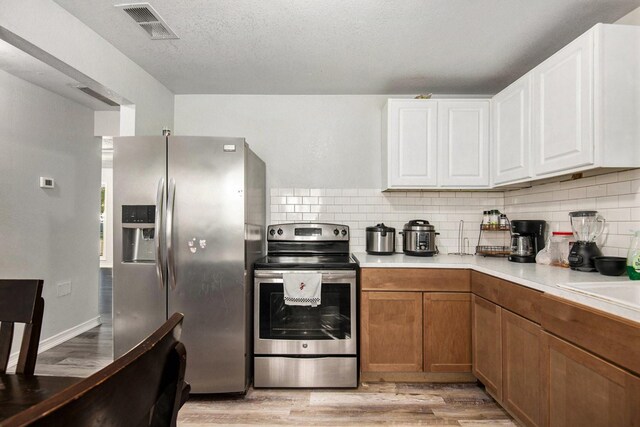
[59, 338]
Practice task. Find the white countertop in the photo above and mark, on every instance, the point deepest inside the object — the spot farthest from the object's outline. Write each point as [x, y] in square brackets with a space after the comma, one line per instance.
[544, 278]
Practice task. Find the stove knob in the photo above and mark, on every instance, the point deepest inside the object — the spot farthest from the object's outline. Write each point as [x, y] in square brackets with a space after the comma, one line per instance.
[272, 232]
[280, 231]
[344, 232]
[336, 232]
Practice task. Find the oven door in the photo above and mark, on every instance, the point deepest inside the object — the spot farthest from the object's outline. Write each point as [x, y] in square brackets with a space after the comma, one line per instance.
[328, 329]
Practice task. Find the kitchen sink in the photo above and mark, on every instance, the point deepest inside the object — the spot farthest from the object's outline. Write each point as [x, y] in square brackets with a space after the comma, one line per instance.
[625, 293]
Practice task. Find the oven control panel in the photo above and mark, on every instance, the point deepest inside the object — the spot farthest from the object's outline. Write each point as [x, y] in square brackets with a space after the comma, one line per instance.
[293, 232]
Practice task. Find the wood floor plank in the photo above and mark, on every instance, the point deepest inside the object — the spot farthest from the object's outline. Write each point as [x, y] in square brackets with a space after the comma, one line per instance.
[371, 399]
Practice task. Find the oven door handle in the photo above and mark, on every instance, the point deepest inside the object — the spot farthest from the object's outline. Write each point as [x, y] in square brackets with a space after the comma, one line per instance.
[327, 275]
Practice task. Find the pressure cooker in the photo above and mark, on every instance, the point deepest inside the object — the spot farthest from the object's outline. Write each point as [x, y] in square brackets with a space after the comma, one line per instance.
[419, 238]
[381, 240]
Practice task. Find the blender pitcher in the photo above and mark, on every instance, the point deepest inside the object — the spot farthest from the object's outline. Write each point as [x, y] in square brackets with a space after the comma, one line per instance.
[587, 226]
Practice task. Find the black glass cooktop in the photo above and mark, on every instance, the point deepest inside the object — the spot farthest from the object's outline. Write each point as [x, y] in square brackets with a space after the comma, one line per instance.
[298, 262]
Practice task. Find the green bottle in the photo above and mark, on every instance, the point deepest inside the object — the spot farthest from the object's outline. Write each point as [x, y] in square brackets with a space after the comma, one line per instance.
[633, 258]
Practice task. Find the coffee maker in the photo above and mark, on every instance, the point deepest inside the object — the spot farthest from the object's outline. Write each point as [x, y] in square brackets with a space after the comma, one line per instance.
[527, 239]
[586, 226]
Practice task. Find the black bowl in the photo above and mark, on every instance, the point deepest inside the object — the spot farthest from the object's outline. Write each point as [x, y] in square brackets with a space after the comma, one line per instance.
[610, 265]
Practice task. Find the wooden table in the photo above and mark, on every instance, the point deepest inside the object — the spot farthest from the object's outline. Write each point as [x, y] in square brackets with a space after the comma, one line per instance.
[19, 392]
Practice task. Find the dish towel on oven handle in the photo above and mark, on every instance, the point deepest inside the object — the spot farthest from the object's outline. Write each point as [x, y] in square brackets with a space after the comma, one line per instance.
[302, 288]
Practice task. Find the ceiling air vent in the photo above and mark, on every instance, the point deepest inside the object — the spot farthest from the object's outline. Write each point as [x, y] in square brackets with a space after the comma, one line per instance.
[149, 20]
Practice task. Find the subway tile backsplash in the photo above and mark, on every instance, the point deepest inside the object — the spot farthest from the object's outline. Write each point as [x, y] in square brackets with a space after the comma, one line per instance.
[361, 208]
[615, 195]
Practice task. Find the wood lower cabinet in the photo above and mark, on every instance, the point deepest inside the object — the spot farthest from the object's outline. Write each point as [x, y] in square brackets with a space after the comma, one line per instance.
[416, 332]
[506, 345]
[447, 332]
[415, 324]
[521, 376]
[391, 331]
[548, 361]
[487, 344]
[580, 389]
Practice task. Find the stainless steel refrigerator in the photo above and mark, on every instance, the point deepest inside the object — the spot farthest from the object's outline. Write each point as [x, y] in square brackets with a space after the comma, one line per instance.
[189, 222]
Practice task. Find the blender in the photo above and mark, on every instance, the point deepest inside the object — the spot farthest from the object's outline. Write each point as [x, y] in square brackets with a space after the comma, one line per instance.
[586, 226]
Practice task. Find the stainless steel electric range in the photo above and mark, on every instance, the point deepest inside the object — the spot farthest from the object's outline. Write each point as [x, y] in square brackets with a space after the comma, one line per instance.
[304, 346]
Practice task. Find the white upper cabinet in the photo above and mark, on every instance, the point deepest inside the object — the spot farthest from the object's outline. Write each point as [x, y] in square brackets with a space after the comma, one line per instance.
[511, 132]
[586, 109]
[576, 111]
[409, 155]
[563, 108]
[463, 144]
[435, 144]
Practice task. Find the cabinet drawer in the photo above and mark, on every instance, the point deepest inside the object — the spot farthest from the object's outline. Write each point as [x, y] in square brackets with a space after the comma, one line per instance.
[513, 297]
[611, 337]
[415, 279]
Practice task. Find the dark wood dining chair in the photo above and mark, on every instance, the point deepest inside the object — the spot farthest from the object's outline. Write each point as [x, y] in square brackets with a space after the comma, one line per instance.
[144, 387]
[20, 302]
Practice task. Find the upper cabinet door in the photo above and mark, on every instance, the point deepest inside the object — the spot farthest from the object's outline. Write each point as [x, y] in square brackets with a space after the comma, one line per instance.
[410, 144]
[511, 132]
[563, 108]
[463, 143]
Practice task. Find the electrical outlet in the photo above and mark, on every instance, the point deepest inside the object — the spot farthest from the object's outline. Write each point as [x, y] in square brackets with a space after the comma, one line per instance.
[64, 288]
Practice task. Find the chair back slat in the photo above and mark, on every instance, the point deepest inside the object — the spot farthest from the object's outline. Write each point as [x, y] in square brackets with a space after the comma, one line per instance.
[18, 300]
[21, 302]
[143, 387]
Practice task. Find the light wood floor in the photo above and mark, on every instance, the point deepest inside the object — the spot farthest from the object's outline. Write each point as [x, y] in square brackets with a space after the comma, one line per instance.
[371, 404]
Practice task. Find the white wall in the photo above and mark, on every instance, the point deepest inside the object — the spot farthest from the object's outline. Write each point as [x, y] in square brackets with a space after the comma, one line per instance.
[632, 18]
[106, 123]
[54, 30]
[306, 141]
[49, 234]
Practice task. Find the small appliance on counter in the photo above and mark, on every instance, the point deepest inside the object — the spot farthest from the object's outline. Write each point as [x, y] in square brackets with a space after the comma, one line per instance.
[587, 226]
[419, 238]
[527, 239]
[381, 240]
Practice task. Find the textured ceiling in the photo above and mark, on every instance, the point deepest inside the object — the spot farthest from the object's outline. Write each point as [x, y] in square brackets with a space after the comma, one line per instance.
[347, 46]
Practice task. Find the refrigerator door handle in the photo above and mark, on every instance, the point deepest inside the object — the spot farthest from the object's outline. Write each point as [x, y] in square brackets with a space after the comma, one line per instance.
[169, 227]
[158, 232]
